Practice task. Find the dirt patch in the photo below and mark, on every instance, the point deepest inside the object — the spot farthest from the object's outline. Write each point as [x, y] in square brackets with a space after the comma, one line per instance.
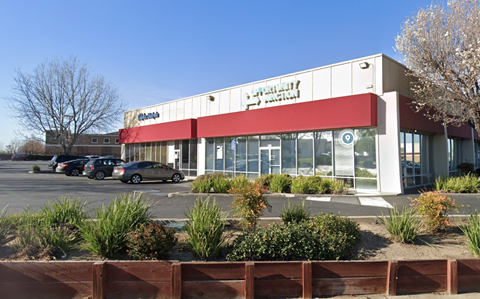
[375, 245]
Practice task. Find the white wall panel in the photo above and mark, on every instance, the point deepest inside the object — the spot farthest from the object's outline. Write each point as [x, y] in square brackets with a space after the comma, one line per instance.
[305, 87]
[362, 78]
[180, 110]
[188, 108]
[246, 89]
[224, 99]
[166, 113]
[172, 115]
[322, 84]
[341, 80]
[378, 65]
[214, 106]
[196, 107]
[236, 99]
[284, 80]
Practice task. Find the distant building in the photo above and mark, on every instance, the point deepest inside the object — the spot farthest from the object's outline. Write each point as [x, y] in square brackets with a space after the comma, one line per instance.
[87, 144]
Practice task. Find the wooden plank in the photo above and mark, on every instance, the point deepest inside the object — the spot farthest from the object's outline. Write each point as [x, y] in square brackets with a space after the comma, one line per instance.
[421, 284]
[137, 289]
[392, 277]
[307, 280]
[422, 267]
[452, 277]
[177, 281]
[278, 288]
[278, 270]
[348, 286]
[99, 275]
[339, 269]
[213, 271]
[213, 289]
[468, 284]
[50, 290]
[139, 271]
[249, 280]
[45, 271]
[468, 267]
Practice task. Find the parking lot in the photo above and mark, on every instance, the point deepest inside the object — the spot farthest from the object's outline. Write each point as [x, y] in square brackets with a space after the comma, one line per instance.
[20, 189]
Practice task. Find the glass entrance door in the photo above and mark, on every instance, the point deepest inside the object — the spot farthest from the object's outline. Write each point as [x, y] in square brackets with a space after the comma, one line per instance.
[269, 160]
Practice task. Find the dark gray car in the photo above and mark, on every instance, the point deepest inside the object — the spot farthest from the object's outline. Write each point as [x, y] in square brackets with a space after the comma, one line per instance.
[100, 168]
[135, 172]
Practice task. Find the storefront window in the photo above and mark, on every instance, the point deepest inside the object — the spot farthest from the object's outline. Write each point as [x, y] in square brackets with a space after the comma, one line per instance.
[288, 153]
[185, 155]
[365, 153]
[323, 153]
[270, 140]
[416, 156]
[164, 152]
[241, 154]
[209, 152]
[343, 142]
[193, 157]
[252, 157]
[230, 153]
[219, 153]
[305, 153]
[454, 155]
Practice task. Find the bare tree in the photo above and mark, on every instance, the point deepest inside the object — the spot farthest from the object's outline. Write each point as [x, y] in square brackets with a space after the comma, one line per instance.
[13, 146]
[32, 147]
[63, 99]
[442, 52]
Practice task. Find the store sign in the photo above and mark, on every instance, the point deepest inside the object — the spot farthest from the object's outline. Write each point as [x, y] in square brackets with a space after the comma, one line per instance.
[271, 93]
[346, 137]
[145, 116]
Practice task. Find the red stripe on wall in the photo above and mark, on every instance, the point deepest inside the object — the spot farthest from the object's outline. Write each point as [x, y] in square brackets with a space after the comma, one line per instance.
[343, 112]
[175, 130]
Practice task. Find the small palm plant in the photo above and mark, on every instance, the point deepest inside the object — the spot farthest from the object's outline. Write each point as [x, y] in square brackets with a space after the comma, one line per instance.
[403, 227]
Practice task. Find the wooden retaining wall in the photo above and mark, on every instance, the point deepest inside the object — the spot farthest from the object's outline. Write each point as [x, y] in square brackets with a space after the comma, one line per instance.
[170, 279]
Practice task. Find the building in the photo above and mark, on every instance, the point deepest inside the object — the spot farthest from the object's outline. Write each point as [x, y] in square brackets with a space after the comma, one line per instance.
[351, 121]
[87, 144]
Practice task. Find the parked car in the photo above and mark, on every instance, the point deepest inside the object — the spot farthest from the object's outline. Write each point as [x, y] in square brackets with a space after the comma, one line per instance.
[73, 167]
[62, 158]
[135, 172]
[20, 157]
[101, 168]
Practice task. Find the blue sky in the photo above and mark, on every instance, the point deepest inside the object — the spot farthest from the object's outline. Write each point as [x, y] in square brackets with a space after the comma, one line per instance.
[157, 51]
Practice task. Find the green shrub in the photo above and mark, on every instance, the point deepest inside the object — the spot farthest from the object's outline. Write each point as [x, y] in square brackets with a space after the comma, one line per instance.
[220, 183]
[280, 183]
[466, 168]
[202, 184]
[264, 180]
[338, 186]
[464, 184]
[5, 225]
[249, 203]
[36, 168]
[306, 185]
[240, 181]
[63, 211]
[403, 227]
[472, 231]
[150, 241]
[295, 213]
[326, 237]
[205, 228]
[106, 236]
[434, 206]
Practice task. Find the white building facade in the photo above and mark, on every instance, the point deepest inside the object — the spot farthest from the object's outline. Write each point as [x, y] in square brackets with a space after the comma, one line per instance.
[350, 121]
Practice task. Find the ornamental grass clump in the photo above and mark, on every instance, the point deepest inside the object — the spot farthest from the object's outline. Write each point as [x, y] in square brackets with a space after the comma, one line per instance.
[306, 185]
[434, 206]
[106, 236]
[472, 230]
[5, 225]
[468, 183]
[220, 183]
[403, 226]
[326, 237]
[205, 226]
[249, 203]
[294, 212]
[202, 184]
[280, 183]
[150, 241]
[63, 211]
[240, 181]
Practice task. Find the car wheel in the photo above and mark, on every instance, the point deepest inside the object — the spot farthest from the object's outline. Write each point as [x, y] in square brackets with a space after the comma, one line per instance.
[136, 178]
[176, 178]
[100, 175]
[75, 172]
[124, 181]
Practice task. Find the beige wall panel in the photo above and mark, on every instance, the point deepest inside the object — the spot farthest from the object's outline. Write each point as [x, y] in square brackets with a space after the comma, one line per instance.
[322, 84]
[305, 87]
[342, 80]
[224, 99]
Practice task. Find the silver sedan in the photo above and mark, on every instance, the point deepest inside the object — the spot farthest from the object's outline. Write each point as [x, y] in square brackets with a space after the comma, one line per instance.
[137, 171]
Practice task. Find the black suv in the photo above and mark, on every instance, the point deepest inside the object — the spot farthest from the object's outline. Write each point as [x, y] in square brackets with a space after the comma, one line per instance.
[101, 168]
[62, 158]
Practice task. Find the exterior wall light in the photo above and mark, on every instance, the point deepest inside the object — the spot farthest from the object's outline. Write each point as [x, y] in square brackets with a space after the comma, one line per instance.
[211, 98]
[364, 65]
